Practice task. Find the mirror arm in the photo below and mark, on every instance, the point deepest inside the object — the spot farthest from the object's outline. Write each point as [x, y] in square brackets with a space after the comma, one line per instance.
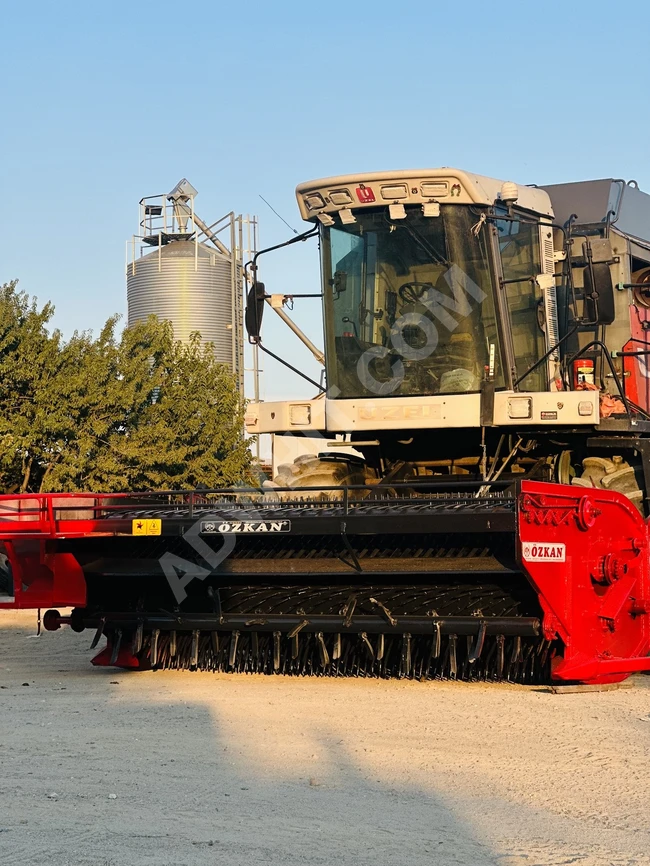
[256, 339]
[290, 366]
[304, 339]
[546, 355]
[252, 264]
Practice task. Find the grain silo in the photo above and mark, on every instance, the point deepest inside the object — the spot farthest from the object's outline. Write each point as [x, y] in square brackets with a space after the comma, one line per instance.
[191, 274]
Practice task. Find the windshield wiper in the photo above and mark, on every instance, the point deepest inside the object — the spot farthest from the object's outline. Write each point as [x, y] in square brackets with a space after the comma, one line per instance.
[422, 241]
[418, 238]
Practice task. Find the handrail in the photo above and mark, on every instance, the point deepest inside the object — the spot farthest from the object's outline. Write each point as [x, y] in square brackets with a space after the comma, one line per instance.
[49, 509]
[432, 481]
[89, 514]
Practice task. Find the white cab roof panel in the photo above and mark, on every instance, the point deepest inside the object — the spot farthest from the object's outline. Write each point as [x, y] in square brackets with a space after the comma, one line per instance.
[410, 186]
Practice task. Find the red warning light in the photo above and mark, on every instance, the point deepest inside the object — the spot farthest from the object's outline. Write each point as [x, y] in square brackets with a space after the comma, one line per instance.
[365, 194]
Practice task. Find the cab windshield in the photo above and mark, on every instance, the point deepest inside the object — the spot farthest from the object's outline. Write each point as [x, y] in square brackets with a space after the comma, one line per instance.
[409, 304]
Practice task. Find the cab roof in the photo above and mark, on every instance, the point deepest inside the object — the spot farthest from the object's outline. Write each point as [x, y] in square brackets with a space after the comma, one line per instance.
[410, 186]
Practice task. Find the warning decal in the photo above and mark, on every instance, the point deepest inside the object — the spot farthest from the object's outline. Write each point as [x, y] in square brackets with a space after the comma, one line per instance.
[146, 527]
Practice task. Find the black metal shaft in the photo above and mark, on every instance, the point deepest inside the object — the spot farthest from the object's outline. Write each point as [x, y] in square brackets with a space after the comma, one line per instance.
[459, 625]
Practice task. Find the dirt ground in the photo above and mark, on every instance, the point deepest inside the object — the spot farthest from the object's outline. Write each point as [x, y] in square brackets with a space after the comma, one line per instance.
[109, 768]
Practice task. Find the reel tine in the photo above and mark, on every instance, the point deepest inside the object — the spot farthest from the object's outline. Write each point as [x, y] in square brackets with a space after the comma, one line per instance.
[324, 655]
[215, 598]
[98, 633]
[453, 666]
[277, 648]
[138, 635]
[390, 619]
[194, 659]
[380, 646]
[368, 646]
[172, 644]
[544, 654]
[117, 643]
[348, 609]
[488, 660]
[305, 662]
[437, 640]
[336, 649]
[501, 655]
[515, 655]
[155, 636]
[232, 658]
[162, 643]
[477, 649]
[405, 666]
[530, 662]
[295, 640]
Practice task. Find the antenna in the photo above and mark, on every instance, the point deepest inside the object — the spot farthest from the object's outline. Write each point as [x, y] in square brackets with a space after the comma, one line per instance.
[295, 231]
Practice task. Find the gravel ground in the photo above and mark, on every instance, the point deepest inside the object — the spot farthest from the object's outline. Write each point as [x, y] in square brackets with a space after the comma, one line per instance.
[109, 768]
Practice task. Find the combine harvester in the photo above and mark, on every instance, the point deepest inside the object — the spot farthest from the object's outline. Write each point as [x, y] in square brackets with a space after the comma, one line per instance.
[486, 352]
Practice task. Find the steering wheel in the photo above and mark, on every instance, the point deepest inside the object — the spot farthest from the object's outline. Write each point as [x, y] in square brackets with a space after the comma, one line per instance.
[413, 291]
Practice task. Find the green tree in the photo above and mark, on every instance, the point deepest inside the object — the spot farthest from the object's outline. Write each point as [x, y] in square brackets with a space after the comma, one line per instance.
[136, 411]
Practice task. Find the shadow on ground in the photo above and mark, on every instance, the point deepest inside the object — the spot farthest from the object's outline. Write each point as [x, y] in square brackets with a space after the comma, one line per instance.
[110, 768]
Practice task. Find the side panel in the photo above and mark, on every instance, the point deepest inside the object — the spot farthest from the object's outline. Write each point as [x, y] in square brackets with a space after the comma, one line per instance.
[586, 554]
[39, 578]
[543, 409]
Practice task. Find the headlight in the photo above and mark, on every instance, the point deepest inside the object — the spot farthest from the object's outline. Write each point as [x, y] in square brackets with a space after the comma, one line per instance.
[585, 407]
[520, 407]
[300, 415]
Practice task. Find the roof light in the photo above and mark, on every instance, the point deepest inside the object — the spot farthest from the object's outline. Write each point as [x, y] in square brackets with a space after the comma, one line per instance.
[314, 201]
[431, 209]
[326, 219]
[347, 217]
[509, 192]
[397, 211]
[429, 188]
[340, 197]
[394, 190]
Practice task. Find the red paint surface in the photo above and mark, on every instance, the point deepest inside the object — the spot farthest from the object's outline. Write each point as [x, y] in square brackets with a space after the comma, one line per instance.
[596, 600]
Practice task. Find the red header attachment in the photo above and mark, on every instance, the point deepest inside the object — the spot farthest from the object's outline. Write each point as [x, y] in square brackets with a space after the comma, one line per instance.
[586, 554]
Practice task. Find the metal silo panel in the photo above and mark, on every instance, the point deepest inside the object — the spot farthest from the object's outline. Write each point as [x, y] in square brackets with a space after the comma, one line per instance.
[193, 292]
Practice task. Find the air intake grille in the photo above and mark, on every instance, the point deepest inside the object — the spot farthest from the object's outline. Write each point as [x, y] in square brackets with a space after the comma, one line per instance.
[550, 296]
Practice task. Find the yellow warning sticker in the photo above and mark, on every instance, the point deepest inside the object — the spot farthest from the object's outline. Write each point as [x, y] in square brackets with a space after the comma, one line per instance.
[146, 527]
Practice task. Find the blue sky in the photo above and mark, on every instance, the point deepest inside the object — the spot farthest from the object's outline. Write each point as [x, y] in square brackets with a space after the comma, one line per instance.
[105, 103]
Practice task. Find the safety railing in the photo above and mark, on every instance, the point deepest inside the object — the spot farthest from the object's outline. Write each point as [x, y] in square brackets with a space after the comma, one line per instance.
[52, 514]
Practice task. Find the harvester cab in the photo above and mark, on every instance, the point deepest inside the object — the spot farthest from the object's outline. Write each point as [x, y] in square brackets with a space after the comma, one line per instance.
[485, 355]
[455, 302]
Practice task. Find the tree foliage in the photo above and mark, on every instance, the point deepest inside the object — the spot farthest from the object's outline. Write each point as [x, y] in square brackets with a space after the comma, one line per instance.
[137, 411]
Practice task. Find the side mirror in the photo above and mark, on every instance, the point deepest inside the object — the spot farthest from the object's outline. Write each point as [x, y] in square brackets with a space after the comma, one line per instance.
[339, 283]
[599, 294]
[254, 311]
[598, 285]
